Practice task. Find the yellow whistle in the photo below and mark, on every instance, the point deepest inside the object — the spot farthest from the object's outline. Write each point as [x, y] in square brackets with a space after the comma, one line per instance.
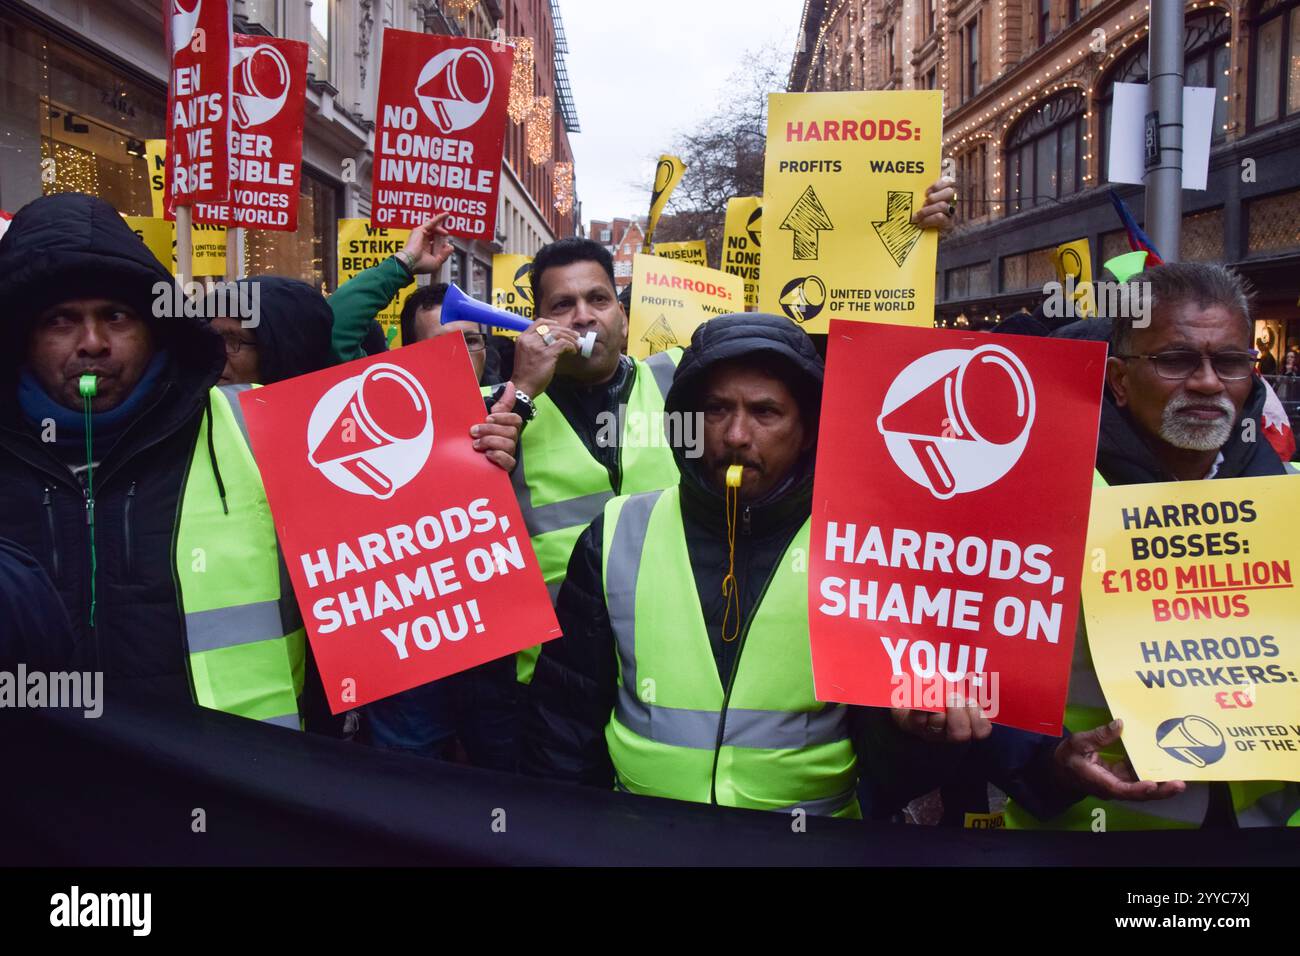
[734, 475]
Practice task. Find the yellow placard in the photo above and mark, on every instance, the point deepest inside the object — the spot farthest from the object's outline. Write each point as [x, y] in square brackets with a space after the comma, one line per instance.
[512, 287]
[1190, 598]
[159, 235]
[362, 246]
[668, 173]
[844, 173]
[208, 242]
[1073, 263]
[155, 151]
[741, 241]
[693, 251]
[670, 298]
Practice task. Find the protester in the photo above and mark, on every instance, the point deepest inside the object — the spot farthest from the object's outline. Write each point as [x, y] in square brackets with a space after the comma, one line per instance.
[1179, 392]
[684, 670]
[288, 336]
[141, 502]
[570, 460]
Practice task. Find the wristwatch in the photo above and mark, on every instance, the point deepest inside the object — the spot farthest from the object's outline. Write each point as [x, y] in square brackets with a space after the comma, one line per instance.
[524, 406]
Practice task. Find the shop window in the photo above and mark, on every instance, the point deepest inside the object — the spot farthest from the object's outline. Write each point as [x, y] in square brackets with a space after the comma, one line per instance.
[1272, 223]
[1045, 153]
[71, 123]
[320, 42]
[263, 13]
[1202, 237]
[311, 253]
[1275, 89]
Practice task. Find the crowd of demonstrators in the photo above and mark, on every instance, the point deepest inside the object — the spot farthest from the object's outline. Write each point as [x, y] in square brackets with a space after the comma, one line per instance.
[683, 670]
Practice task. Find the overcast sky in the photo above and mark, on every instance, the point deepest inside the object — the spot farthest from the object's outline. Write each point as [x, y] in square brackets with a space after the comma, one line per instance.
[643, 71]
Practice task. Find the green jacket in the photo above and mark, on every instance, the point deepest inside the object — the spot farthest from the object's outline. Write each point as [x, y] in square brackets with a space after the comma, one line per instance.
[359, 300]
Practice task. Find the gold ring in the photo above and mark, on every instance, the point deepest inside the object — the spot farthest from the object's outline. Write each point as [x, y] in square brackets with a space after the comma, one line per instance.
[542, 330]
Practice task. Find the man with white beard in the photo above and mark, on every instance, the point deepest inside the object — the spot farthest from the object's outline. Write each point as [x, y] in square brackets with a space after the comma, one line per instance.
[1182, 403]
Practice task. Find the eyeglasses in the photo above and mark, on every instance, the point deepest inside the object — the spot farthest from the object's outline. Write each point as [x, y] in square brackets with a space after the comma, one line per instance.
[1178, 364]
[475, 341]
[234, 343]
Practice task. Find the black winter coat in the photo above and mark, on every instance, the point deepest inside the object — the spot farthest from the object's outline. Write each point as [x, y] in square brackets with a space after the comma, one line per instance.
[64, 247]
[574, 687]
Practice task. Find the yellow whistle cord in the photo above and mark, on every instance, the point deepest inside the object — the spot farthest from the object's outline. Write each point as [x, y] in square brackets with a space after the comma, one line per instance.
[729, 589]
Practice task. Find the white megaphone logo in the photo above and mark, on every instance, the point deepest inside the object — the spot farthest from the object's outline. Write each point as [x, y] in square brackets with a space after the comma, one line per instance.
[185, 17]
[259, 84]
[957, 420]
[454, 88]
[371, 434]
[1191, 739]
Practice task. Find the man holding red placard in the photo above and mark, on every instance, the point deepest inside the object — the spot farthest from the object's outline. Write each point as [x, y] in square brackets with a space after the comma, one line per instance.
[684, 670]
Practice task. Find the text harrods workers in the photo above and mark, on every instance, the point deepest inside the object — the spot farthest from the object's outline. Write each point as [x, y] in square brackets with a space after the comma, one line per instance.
[150, 520]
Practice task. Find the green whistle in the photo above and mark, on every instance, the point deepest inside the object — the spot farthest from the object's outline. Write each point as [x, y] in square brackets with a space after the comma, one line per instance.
[88, 385]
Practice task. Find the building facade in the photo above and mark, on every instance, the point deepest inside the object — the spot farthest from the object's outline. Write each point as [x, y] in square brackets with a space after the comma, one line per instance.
[623, 238]
[85, 82]
[1027, 90]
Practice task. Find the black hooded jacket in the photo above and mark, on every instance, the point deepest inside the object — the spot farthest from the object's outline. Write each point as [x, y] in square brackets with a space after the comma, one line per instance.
[575, 684]
[64, 247]
[1123, 458]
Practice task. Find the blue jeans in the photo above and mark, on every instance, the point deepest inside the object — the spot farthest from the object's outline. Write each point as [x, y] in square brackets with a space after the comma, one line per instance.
[479, 707]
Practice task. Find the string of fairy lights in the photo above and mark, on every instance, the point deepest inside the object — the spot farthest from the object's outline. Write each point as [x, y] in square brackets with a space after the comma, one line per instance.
[1026, 90]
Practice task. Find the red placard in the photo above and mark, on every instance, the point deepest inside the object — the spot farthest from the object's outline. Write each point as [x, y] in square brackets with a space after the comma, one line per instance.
[407, 552]
[954, 474]
[268, 98]
[441, 123]
[199, 36]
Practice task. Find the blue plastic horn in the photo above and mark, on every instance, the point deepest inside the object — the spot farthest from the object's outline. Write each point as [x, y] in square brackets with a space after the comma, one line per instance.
[458, 307]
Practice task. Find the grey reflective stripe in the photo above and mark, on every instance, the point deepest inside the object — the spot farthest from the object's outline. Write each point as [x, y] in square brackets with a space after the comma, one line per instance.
[757, 729]
[662, 366]
[673, 726]
[232, 399]
[1271, 810]
[559, 514]
[785, 730]
[564, 514]
[1190, 806]
[622, 565]
[286, 720]
[229, 626]
[824, 807]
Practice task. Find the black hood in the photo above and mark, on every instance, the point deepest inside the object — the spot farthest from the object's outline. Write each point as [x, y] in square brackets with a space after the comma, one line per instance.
[71, 246]
[294, 323]
[1124, 458]
[748, 335]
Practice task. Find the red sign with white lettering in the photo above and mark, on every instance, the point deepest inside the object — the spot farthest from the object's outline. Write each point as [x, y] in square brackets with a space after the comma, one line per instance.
[407, 552]
[268, 98]
[440, 133]
[199, 37]
[954, 475]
